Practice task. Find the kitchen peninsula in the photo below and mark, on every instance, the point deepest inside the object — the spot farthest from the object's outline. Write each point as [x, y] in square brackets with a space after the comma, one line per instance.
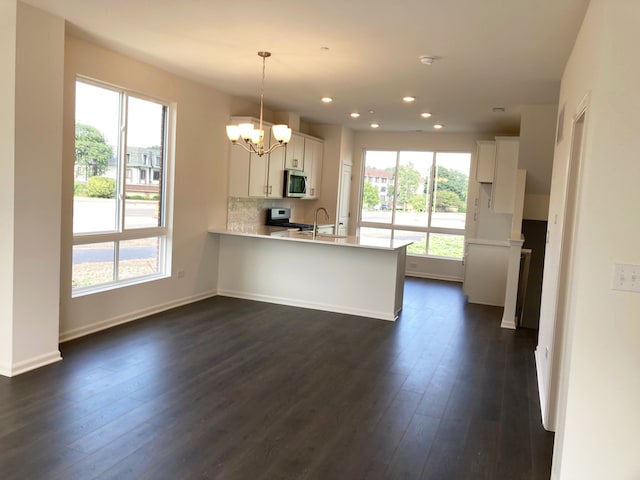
[354, 275]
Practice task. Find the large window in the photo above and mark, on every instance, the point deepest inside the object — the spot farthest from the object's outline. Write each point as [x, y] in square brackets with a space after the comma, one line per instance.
[119, 224]
[418, 196]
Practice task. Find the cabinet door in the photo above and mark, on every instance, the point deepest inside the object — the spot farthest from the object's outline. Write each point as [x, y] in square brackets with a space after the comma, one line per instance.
[503, 193]
[258, 175]
[294, 155]
[238, 172]
[485, 161]
[313, 166]
[485, 273]
[275, 173]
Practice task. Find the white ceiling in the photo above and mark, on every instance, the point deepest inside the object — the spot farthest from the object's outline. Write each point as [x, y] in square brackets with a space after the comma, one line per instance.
[505, 53]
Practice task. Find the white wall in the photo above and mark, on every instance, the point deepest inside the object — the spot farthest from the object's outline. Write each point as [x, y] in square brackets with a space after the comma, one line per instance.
[599, 420]
[200, 189]
[333, 156]
[579, 78]
[537, 142]
[8, 15]
[416, 266]
[39, 80]
[31, 174]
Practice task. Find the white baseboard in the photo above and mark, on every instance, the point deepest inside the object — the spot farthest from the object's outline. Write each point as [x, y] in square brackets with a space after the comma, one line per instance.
[509, 323]
[312, 305]
[542, 394]
[30, 364]
[446, 278]
[131, 316]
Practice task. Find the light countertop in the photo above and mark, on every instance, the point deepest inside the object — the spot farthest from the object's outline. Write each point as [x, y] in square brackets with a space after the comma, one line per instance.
[283, 234]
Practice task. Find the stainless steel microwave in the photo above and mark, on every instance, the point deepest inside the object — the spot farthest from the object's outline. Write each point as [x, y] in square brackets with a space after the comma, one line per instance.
[295, 183]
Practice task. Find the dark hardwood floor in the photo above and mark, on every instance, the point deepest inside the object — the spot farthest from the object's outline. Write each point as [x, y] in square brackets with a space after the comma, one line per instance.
[233, 389]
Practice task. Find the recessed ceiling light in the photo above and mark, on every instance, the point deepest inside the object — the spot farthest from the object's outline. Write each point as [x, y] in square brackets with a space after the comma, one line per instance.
[354, 114]
[371, 112]
[374, 125]
[425, 114]
[438, 126]
[327, 99]
[426, 59]
[408, 99]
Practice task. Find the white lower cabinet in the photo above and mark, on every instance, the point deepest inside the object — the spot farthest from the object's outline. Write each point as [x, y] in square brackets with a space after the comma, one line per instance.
[485, 271]
[313, 150]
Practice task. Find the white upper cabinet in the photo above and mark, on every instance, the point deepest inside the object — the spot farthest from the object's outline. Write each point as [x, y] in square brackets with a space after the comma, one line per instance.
[503, 193]
[485, 161]
[275, 172]
[313, 150]
[266, 172]
[294, 155]
[251, 175]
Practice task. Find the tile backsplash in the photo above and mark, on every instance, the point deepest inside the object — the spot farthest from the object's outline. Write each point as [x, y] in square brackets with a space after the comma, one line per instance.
[251, 212]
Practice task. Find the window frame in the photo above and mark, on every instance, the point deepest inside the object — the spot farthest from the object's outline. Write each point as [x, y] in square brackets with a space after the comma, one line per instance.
[162, 232]
[392, 226]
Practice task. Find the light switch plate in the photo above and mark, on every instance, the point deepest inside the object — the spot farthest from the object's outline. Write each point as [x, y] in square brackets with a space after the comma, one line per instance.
[626, 277]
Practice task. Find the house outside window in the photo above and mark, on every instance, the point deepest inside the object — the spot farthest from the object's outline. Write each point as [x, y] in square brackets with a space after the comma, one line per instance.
[424, 200]
[120, 233]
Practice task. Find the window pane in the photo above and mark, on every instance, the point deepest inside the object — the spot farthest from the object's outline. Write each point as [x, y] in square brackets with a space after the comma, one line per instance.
[413, 186]
[144, 163]
[92, 264]
[419, 239]
[139, 257]
[96, 166]
[377, 187]
[452, 183]
[441, 245]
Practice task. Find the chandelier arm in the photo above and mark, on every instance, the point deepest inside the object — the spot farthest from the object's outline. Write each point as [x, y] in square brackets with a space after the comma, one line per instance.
[274, 147]
[243, 145]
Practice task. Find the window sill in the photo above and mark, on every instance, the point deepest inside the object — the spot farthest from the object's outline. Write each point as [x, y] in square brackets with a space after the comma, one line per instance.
[105, 287]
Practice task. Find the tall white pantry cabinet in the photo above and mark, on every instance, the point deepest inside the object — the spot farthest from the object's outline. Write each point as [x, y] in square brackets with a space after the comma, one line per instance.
[494, 252]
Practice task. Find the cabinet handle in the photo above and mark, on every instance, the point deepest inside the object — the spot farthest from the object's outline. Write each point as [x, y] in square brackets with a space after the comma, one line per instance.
[295, 162]
[270, 189]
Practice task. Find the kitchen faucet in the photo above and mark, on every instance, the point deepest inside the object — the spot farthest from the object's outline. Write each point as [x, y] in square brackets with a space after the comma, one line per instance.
[315, 218]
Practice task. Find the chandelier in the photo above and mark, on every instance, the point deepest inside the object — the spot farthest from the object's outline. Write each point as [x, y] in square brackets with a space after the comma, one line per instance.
[253, 139]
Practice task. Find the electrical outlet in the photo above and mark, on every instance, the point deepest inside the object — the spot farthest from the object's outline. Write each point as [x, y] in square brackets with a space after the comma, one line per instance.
[626, 277]
[180, 273]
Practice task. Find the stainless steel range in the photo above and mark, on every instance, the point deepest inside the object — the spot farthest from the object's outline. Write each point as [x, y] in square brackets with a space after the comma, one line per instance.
[281, 217]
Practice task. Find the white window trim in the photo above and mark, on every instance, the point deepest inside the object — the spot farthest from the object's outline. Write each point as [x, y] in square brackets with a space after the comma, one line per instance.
[165, 231]
[391, 226]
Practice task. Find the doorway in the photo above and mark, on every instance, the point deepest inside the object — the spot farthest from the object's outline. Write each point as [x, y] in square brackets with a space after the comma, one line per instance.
[561, 337]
